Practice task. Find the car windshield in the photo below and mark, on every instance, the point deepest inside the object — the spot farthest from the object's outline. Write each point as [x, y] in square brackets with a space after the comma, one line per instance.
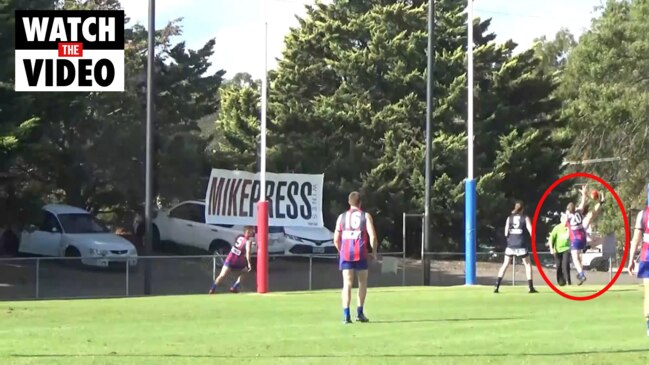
[81, 223]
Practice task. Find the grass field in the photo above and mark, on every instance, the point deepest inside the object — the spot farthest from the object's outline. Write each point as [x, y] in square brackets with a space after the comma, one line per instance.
[454, 325]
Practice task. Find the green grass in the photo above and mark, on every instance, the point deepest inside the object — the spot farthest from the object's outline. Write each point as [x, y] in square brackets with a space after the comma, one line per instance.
[409, 326]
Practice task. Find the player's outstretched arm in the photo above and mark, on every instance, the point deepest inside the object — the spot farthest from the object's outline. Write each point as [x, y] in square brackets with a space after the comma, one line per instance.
[371, 231]
[591, 216]
[637, 236]
[528, 224]
[582, 200]
[337, 233]
[507, 227]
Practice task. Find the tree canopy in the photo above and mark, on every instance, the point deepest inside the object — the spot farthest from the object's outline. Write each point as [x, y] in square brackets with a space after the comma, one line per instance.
[349, 98]
[89, 149]
[605, 88]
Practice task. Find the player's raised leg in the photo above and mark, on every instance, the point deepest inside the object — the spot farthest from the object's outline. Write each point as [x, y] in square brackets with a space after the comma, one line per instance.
[219, 279]
[348, 282]
[576, 260]
[362, 293]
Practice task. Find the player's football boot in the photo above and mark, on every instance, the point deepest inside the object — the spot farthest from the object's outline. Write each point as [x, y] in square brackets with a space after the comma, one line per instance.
[532, 291]
[347, 321]
[234, 290]
[581, 278]
[361, 318]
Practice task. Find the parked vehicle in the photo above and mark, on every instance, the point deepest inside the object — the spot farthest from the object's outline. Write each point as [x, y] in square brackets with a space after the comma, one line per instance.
[184, 224]
[68, 231]
[600, 250]
[307, 240]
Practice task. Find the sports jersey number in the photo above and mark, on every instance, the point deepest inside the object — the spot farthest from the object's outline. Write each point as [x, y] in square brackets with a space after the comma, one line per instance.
[517, 222]
[576, 219]
[355, 220]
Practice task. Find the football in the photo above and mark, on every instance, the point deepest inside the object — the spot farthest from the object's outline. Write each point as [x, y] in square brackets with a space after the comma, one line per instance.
[594, 194]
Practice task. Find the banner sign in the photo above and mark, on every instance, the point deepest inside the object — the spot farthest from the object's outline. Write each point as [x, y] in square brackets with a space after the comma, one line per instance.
[294, 200]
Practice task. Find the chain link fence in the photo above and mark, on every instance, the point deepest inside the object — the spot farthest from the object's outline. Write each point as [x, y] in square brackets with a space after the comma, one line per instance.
[61, 278]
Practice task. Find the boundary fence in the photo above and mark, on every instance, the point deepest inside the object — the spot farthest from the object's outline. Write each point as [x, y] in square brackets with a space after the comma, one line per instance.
[27, 278]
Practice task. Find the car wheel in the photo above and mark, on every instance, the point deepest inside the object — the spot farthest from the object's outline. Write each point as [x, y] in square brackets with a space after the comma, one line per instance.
[599, 264]
[73, 252]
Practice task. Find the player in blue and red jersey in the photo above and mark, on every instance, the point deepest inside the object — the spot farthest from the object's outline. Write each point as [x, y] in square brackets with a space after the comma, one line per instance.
[641, 234]
[238, 260]
[354, 231]
[579, 219]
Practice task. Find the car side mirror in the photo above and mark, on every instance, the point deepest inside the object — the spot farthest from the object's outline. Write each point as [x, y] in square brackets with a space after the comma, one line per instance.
[30, 228]
[54, 230]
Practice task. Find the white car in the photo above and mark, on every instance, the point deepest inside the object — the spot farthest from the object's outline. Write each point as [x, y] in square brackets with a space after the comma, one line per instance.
[309, 240]
[68, 231]
[184, 224]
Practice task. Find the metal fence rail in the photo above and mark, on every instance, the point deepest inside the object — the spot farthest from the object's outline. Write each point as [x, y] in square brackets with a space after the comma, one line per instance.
[61, 278]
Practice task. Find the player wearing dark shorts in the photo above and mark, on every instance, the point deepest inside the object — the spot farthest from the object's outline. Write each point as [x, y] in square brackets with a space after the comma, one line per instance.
[641, 237]
[518, 230]
[238, 260]
[354, 231]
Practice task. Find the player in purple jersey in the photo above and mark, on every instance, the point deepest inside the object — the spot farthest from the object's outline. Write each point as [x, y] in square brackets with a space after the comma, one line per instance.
[579, 220]
[641, 238]
[238, 260]
[354, 232]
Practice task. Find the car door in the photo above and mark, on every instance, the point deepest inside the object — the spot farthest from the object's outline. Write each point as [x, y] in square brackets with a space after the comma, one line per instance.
[207, 232]
[189, 226]
[228, 232]
[45, 239]
[180, 224]
[203, 233]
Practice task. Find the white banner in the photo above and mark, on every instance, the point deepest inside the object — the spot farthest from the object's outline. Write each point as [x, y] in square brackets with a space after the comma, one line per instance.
[294, 200]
